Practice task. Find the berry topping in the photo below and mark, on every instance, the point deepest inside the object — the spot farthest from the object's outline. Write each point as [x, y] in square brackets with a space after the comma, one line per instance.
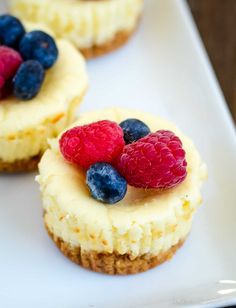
[155, 161]
[134, 129]
[40, 46]
[28, 80]
[97, 142]
[105, 183]
[10, 60]
[11, 31]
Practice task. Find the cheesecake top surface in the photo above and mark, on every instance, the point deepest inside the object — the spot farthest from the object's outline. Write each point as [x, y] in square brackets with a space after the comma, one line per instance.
[64, 81]
[67, 182]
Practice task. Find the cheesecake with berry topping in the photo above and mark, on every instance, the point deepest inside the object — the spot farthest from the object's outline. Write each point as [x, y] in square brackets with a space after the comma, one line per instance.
[120, 205]
[38, 98]
[95, 27]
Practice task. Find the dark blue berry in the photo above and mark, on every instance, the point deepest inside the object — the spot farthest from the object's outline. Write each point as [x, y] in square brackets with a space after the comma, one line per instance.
[38, 45]
[11, 31]
[134, 129]
[28, 80]
[105, 183]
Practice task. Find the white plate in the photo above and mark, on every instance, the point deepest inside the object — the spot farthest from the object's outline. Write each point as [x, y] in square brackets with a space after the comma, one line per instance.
[164, 70]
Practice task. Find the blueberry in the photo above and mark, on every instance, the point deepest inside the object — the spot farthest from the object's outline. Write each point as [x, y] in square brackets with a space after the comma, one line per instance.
[28, 80]
[105, 183]
[134, 129]
[11, 31]
[38, 45]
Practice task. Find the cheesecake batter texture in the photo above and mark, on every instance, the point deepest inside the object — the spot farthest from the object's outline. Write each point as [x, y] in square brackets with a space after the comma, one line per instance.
[95, 27]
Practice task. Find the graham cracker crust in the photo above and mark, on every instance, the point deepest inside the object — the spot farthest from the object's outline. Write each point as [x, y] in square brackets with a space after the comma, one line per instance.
[98, 50]
[22, 165]
[113, 263]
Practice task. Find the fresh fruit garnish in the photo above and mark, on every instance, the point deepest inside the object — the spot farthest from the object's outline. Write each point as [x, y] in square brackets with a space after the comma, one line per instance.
[134, 130]
[105, 183]
[39, 46]
[155, 161]
[11, 30]
[10, 60]
[28, 80]
[86, 145]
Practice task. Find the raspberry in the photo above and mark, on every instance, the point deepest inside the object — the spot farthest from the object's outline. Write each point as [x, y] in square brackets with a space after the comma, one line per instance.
[97, 142]
[10, 60]
[155, 161]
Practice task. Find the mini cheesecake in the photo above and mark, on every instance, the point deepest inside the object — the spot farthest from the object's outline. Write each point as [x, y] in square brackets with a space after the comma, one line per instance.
[95, 27]
[139, 232]
[26, 125]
